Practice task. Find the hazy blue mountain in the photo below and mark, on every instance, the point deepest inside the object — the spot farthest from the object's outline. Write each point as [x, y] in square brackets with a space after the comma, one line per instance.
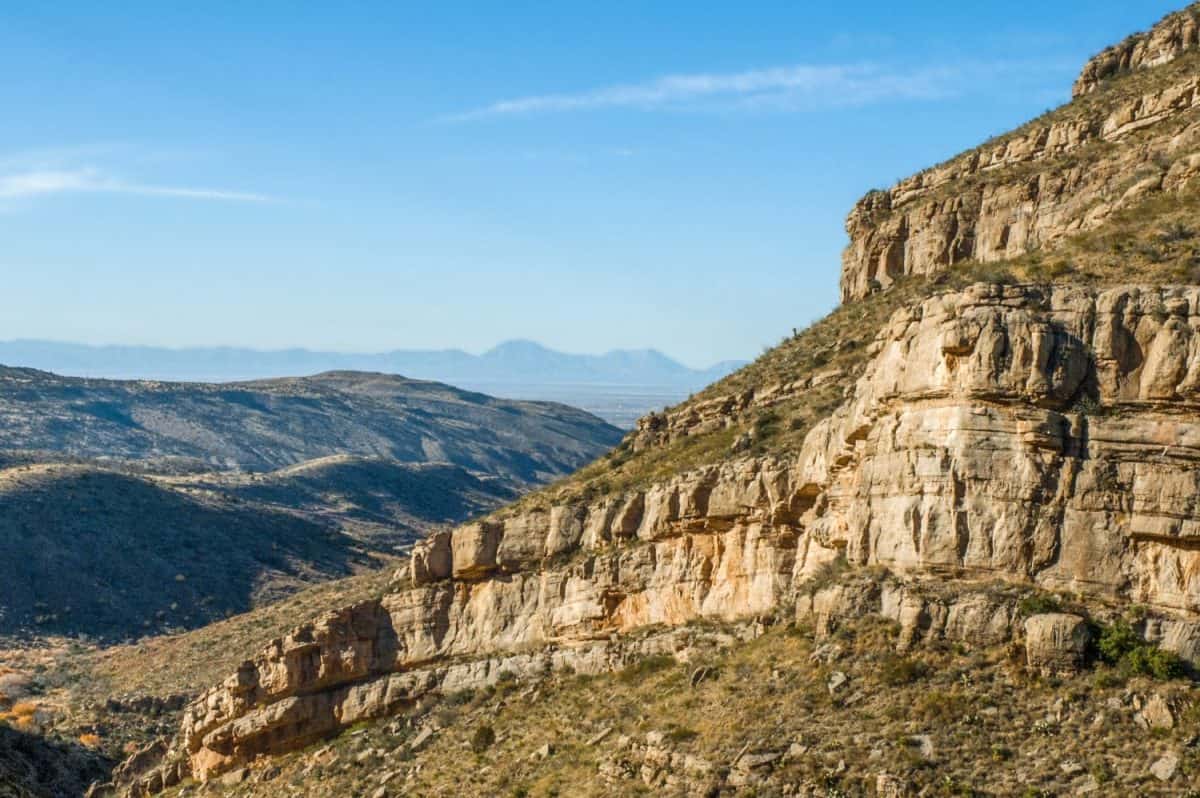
[619, 386]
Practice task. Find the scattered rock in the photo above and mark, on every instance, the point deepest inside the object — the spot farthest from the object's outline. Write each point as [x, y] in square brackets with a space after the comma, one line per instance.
[599, 736]
[887, 786]
[422, 739]
[235, 777]
[1166, 767]
[924, 744]
[826, 653]
[757, 761]
[837, 680]
[1157, 713]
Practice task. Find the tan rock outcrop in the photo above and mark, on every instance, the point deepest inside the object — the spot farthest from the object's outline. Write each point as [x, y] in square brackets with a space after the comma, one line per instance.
[1052, 178]
[1175, 35]
[1056, 642]
[1035, 435]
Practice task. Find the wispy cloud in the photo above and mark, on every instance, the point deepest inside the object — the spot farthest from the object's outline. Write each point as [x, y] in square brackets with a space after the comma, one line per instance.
[800, 87]
[786, 86]
[30, 183]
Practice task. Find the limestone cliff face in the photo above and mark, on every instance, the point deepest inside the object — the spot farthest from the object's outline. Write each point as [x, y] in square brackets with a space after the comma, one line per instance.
[1169, 39]
[1047, 434]
[1037, 435]
[1054, 178]
[1025, 436]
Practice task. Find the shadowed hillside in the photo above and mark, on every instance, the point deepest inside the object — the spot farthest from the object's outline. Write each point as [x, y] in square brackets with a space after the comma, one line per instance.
[84, 550]
[33, 767]
[383, 503]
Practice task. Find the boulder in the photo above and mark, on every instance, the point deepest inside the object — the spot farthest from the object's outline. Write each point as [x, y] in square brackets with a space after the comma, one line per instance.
[432, 559]
[1056, 642]
[1157, 713]
[474, 549]
[1165, 768]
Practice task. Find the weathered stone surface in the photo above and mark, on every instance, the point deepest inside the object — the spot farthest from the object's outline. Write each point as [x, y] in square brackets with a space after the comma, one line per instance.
[961, 454]
[1055, 642]
[1171, 38]
[1157, 713]
[1048, 180]
[1165, 767]
[431, 559]
[474, 549]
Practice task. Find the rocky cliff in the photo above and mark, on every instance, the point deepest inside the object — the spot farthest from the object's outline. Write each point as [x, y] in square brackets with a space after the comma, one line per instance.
[1044, 435]
[1177, 34]
[991, 442]
[1060, 175]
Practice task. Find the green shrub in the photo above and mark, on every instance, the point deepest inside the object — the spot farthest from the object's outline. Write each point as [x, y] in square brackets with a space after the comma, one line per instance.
[1038, 604]
[1116, 640]
[483, 739]
[898, 671]
[1153, 661]
[1119, 644]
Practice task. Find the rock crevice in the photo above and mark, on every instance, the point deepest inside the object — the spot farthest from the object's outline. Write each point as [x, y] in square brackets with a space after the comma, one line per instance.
[965, 451]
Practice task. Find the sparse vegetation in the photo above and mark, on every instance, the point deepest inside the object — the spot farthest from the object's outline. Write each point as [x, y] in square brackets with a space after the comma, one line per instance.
[1120, 645]
[483, 738]
[930, 732]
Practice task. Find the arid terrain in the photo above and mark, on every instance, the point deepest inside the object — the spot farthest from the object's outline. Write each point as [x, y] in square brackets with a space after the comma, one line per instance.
[174, 505]
[942, 542]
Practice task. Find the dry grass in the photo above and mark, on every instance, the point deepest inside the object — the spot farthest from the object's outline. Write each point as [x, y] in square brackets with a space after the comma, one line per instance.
[1095, 107]
[193, 661]
[994, 729]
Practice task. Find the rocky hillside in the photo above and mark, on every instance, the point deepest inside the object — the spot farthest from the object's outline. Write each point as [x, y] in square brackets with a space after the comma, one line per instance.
[956, 518]
[1130, 134]
[175, 504]
[259, 426]
[1171, 38]
[149, 553]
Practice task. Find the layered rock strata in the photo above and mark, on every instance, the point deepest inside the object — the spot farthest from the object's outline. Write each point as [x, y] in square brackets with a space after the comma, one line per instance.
[1042, 436]
[1171, 38]
[1051, 179]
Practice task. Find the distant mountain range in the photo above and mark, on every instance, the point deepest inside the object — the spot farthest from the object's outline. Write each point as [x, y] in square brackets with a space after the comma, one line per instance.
[619, 386]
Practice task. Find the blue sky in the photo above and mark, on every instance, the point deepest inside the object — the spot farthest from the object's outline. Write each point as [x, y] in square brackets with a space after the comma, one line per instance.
[369, 175]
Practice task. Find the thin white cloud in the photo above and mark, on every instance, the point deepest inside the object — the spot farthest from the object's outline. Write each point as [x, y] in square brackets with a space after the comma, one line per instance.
[798, 87]
[32, 183]
[787, 86]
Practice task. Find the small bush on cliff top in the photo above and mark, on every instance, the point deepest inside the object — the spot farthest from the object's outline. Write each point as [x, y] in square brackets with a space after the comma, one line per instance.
[1038, 604]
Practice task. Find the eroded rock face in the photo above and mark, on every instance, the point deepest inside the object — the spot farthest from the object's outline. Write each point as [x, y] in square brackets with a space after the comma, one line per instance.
[1175, 35]
[1045, 182]
[1056, 642]
[1039, 435]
